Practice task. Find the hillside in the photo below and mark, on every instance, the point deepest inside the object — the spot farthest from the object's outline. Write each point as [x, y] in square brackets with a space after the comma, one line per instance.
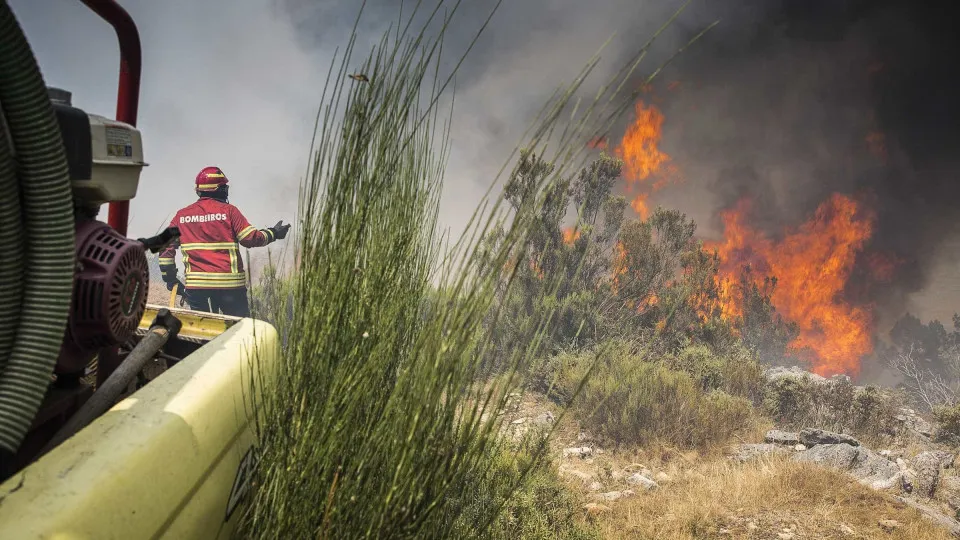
[758, 484]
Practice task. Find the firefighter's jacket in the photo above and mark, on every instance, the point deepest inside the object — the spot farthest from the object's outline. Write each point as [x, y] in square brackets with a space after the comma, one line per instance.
[210, 231]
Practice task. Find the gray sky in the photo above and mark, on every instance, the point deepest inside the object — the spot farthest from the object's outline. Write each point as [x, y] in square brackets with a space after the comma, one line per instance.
[236, 83]
[224, 85]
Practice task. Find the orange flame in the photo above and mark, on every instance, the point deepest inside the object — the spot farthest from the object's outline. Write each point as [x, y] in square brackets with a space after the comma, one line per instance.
[619, 267]
[639, 147]
[646, 168]
[639, 205]
[812, 265]
[570, 235]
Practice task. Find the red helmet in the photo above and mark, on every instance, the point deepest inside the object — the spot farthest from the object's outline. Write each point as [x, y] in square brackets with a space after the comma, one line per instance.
[210, 179]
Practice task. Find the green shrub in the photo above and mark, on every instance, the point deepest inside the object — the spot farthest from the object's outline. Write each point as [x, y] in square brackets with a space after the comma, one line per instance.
[631, 401]
[948, 423]
[699, 362]
[541, 509]
[735, 371]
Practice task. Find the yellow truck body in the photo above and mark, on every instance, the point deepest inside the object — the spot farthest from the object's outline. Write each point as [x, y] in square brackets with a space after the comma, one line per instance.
[172, 460]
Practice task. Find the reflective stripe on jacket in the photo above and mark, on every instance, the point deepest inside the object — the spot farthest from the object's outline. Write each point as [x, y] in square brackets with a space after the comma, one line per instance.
[211, 233]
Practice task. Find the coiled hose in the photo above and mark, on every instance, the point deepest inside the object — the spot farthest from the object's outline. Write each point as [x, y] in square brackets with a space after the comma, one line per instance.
[37, 236]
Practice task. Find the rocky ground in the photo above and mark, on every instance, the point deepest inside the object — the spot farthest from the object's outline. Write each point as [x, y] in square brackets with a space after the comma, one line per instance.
[785, 485]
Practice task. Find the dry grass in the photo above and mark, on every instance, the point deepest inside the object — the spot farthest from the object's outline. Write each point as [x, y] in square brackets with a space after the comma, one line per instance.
[718, 498]
[703, 494]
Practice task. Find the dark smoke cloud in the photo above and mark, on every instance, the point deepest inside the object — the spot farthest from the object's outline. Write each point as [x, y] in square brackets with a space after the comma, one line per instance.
[782, 110]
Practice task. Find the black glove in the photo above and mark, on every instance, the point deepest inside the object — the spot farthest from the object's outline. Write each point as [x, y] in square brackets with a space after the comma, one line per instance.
[280, 230]
[169, 274]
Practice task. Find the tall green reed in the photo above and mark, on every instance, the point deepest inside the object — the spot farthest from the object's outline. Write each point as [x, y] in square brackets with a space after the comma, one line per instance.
[374, 413]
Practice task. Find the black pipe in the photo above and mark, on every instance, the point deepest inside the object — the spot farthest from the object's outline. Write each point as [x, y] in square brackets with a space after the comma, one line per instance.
[164, 326]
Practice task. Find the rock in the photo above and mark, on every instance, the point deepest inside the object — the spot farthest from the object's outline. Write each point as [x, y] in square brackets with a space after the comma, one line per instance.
[785, 536]
[595, 509]
[927, 466]
[594, 486]
[637, 467]
[799, 448]
[545, 420]
[873, 469]
[943, 459]
[775, 436]
[519, 421]
[846, 530]
[838, 456]
[638, 479]
[747, 452]
[913, 422]
[585, 478]
[884, 453]
[617, 495]
[906, 483]
[895, 481]
[841, 379]
[581, 452]
[662, 477]
[889, 525]
[921, 426]
[813, 437]
[863, 464]
[780, 372]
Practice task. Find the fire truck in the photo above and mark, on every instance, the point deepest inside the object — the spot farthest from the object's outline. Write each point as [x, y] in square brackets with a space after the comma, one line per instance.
[118, 418]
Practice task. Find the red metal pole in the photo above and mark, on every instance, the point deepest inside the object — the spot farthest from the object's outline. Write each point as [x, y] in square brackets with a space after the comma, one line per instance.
[128, 89]
[128, 99]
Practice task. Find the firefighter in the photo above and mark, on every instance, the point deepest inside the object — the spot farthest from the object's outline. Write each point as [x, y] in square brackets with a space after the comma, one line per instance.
[210, 231]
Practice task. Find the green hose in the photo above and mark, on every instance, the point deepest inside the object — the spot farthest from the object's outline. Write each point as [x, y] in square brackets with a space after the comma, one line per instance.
[11, 266]
[46, 233]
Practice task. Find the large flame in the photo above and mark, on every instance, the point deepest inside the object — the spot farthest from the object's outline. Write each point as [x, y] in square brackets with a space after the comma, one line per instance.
[812, 265]
[645, 167]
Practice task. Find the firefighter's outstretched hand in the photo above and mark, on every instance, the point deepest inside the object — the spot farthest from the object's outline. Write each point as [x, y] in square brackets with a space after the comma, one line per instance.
[280, 230]
[169, 277]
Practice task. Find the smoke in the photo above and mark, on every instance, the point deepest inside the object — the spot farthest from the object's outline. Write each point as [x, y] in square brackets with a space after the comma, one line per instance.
[822, 97]
[786, 101]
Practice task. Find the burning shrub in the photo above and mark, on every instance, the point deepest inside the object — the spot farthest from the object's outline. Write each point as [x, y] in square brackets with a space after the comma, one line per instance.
[564, 270]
